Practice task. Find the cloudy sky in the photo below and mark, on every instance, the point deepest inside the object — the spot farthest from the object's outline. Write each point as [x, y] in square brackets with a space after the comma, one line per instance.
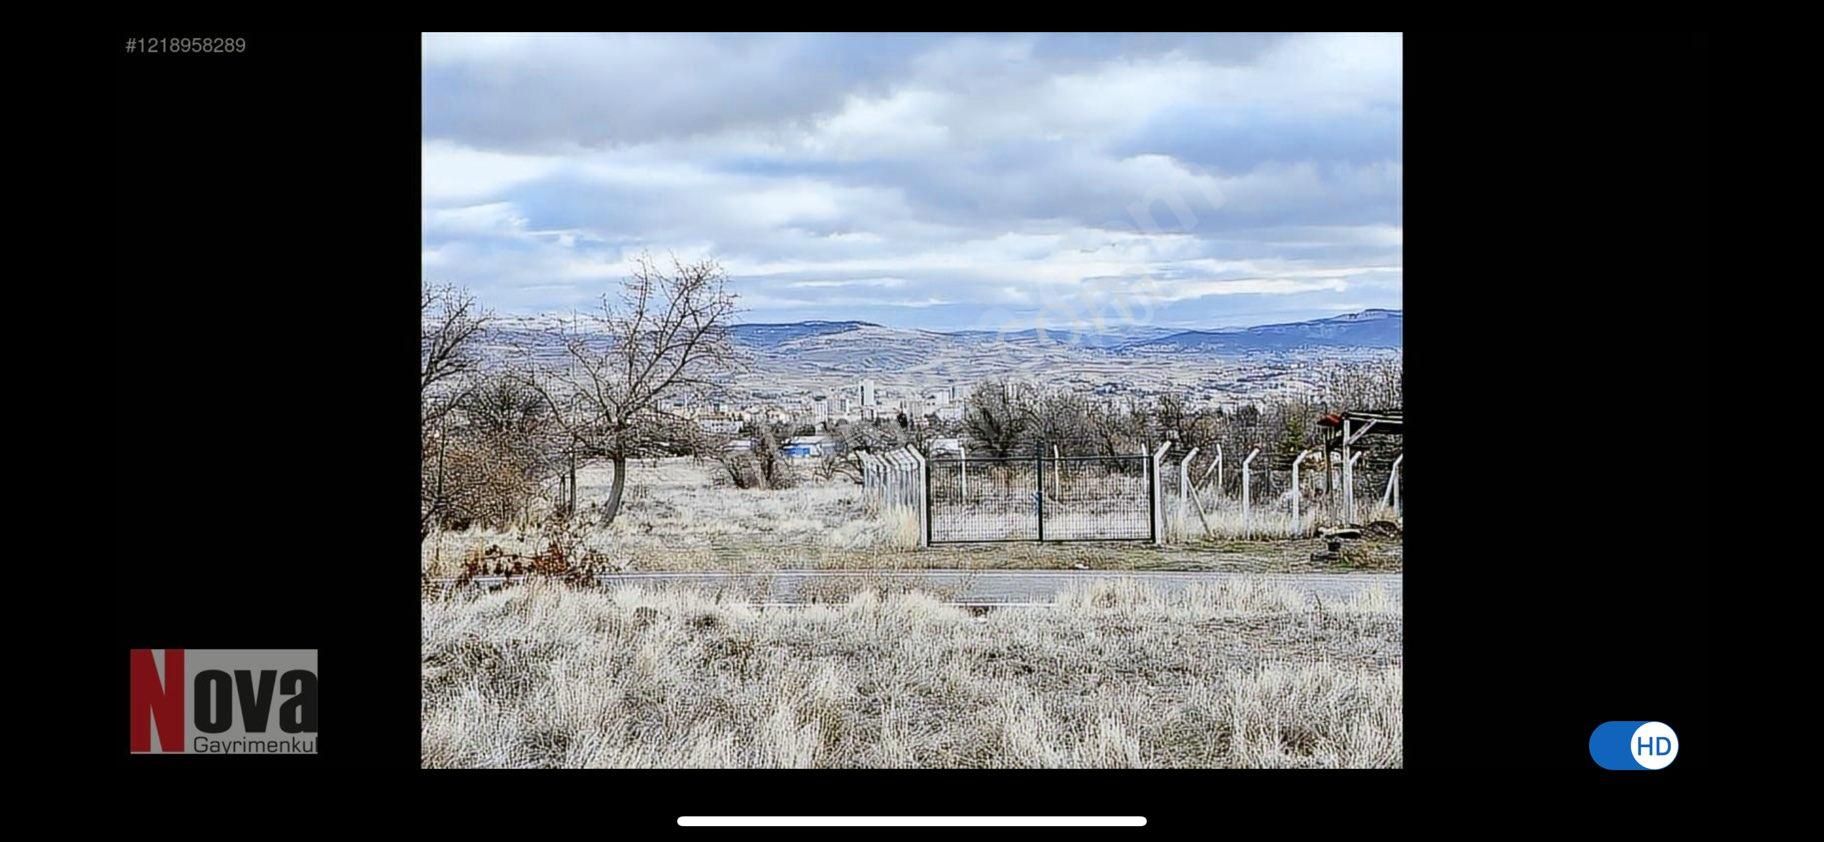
[934, 181]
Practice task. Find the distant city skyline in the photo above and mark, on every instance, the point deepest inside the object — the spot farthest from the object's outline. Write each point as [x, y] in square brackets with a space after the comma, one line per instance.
[939, 182]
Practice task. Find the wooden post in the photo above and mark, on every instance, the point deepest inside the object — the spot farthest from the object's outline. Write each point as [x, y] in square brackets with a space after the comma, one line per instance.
[1329, 487]
[1348, 478]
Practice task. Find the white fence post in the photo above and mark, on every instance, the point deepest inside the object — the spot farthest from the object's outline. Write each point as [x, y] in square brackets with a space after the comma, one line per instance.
[1396, 486]
[1158, 503]
[1348, 475]
[1349, 483]
[1244, 487]
[867, 474]
[1218, 467]
[962, 455]
[1296, 491]
[1393, 484]
[1057, 473]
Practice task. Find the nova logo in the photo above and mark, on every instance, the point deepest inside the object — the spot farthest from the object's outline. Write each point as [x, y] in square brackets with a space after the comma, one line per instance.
[223, 701]
[1633, 746]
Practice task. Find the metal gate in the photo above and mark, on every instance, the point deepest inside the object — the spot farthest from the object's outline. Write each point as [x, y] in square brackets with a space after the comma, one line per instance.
[1072, 498]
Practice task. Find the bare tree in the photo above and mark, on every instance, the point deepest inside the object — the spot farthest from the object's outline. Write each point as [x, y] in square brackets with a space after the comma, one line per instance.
[622, 368]
[1373, 385]
[450, 322]
[1115, 429]
[998, 415]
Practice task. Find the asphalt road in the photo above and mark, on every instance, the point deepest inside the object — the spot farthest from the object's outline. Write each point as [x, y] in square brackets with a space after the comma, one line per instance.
[978, 587]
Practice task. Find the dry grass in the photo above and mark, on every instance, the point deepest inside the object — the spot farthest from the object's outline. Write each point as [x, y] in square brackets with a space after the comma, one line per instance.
[1115, 674]
[1266, 520]
[676, 516]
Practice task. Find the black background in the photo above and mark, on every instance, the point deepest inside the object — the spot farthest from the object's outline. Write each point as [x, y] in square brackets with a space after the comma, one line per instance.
[1556, 200]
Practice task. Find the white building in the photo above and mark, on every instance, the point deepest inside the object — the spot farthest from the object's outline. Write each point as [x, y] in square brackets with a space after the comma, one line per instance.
[867, 392]
[720, 426]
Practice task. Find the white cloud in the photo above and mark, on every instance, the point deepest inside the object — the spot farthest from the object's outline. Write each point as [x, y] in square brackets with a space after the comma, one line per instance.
[832, 174]
[453, 173]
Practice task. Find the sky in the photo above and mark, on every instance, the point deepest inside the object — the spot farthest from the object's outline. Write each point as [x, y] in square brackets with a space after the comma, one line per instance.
[946, 181]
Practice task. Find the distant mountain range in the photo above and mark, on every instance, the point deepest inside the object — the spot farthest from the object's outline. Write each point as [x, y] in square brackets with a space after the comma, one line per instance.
[1366, 329]
[822, 355]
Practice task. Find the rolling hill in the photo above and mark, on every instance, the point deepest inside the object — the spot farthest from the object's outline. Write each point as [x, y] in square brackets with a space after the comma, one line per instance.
[1367, 329]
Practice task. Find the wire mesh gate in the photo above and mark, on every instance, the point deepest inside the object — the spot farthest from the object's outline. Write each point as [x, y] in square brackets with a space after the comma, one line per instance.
[1071, 498]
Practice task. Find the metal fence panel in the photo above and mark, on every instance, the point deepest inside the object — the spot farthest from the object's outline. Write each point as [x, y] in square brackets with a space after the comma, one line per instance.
[984, 500]
[1069, 499]
[1098, 499]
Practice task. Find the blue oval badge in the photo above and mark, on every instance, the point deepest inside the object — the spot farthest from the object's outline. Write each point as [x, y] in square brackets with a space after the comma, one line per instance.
[1633, 746]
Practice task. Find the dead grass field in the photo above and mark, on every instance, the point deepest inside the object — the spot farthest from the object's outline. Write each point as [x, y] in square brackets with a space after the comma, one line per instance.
[678, 518]
[1113, 675]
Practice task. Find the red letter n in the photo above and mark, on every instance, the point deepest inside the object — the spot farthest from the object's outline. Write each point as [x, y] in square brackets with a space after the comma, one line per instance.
[153, 700]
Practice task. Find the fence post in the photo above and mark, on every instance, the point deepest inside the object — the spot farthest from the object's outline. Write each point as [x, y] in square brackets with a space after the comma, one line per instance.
[1158, 511]
[1349, 482]
[1245, 470]
[886, 479]
[1218, 467]
[1038, 461]
[1393, 484]
[962, 455]
[1297, 492]
[1057, 473]
[1348, 477]
[1184, 488]
[924, 500]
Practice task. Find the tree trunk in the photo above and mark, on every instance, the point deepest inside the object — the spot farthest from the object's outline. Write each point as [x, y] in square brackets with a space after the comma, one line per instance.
[613, 507]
